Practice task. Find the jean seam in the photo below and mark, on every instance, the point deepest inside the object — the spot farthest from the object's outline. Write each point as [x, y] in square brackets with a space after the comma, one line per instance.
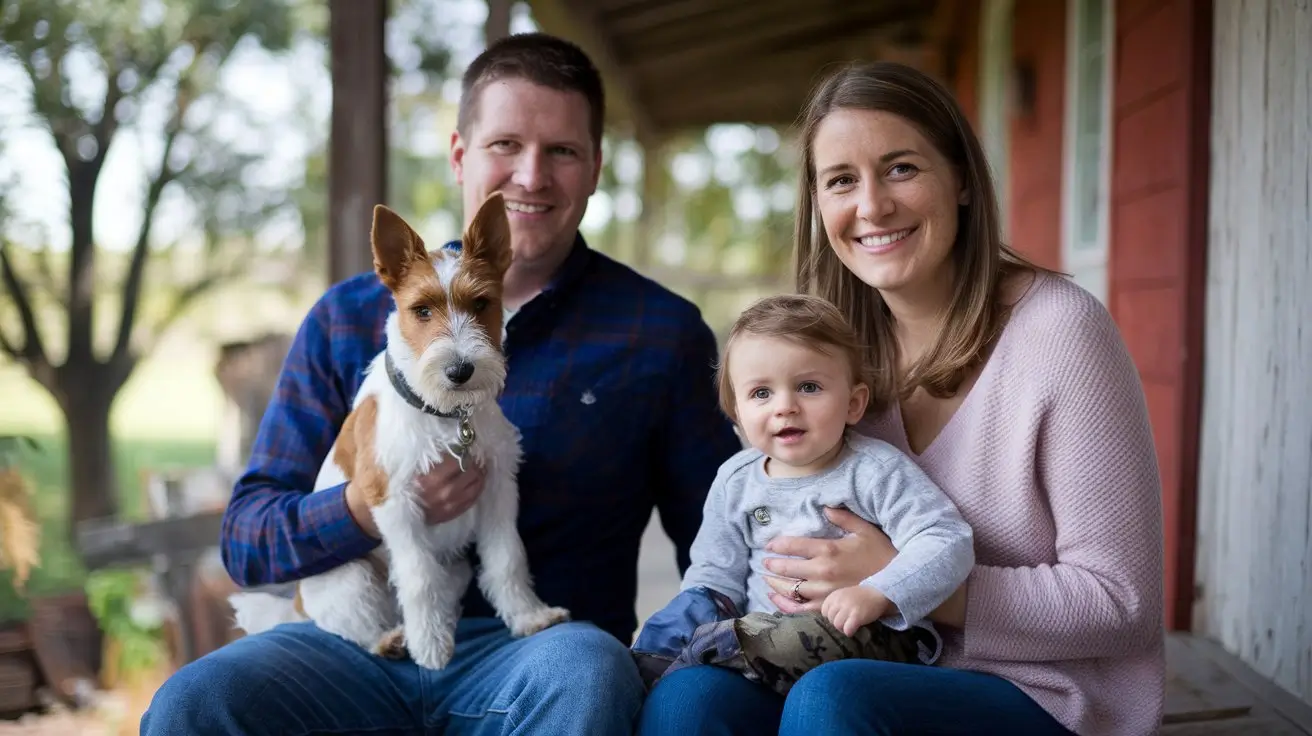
[506, 712]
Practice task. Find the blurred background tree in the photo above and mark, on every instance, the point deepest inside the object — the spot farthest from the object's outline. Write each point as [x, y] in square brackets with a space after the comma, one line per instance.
[99, 72]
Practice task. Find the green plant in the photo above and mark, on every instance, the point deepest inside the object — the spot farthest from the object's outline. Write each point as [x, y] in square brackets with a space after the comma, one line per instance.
[136, 637]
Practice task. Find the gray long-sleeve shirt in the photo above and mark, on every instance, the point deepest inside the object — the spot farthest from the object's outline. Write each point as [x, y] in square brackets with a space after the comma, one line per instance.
[745, 509]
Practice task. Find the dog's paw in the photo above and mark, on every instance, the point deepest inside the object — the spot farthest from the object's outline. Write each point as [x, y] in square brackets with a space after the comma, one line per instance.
[537, 619]
[431, 650]
[392, 645]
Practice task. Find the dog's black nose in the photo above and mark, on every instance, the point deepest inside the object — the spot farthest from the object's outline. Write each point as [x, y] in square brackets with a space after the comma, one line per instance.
[460, 372]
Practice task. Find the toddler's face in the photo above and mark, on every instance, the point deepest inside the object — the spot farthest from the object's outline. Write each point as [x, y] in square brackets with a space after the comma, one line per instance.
[793, 401]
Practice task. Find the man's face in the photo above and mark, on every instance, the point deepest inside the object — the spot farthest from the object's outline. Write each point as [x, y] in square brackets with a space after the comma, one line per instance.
[534, 145]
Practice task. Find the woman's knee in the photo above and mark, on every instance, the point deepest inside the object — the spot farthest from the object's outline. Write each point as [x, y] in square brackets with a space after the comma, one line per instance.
[709, 700]
[824, 698]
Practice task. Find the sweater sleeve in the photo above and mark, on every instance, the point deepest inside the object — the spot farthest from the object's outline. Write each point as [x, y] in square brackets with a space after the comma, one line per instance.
[935, 545]
[1095, 459]
[720, 558]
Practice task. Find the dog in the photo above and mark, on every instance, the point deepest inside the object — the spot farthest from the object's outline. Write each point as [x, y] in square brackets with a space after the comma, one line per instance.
[429, 397]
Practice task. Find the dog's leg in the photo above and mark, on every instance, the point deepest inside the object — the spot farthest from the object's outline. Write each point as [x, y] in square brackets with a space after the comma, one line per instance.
[393, 645]
[352, 601]
[427, 589]
[503, 574]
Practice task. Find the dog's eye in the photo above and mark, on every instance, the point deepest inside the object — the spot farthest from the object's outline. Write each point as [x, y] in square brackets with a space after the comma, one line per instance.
[479, 305]
[423, 313]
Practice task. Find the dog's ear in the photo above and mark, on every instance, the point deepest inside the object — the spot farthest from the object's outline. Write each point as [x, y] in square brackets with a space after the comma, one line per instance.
[397, 247]
[488, 236]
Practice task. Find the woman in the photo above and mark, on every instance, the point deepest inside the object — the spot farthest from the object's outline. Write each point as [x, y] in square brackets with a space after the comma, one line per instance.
[1010, 386]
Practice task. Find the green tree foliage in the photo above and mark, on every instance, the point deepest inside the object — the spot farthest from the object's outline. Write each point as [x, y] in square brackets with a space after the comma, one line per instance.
[100, 71]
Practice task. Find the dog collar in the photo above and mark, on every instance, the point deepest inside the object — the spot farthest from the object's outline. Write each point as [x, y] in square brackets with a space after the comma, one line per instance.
[465, 438]
[412, 398]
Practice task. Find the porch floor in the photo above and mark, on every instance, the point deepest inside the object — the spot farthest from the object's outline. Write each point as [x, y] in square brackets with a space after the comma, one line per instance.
[1209, 692]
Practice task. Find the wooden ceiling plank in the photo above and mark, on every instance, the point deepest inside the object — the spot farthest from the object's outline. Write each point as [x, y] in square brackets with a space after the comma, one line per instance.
[677, 15]
[765, 40]
[749, 21]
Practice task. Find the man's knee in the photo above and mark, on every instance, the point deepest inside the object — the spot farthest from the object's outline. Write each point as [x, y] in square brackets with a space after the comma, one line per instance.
[577, 665]
[204, 696]
[581, 656]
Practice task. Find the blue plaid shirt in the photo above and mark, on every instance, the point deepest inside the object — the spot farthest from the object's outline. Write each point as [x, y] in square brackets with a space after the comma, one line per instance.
[610, 383]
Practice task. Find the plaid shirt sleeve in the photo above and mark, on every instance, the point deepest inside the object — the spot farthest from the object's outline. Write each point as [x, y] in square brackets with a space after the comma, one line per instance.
[275, 530]
[694, 440]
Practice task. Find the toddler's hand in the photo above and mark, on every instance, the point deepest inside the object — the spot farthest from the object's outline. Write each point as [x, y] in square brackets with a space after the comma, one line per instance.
[850, 608]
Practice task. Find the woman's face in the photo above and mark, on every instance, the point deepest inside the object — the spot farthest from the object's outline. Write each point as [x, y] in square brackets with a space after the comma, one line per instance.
[888, 200]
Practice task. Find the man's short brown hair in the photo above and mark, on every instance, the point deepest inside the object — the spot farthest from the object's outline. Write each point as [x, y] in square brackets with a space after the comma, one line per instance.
[538, 58]
[808, 320]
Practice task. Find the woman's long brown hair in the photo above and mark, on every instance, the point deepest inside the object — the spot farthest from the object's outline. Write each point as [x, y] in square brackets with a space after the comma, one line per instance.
[976, 314]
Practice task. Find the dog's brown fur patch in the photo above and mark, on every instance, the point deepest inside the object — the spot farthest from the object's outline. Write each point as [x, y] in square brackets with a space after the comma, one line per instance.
[486, 256]
[405, 267]
[392, 645]
[355, 452]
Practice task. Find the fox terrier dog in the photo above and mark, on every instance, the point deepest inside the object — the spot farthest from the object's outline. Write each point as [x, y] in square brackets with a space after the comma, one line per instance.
[429, 397]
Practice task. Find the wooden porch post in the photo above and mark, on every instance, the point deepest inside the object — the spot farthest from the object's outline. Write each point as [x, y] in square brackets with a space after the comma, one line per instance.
[651, 220]
[497, 26]
[357, 150]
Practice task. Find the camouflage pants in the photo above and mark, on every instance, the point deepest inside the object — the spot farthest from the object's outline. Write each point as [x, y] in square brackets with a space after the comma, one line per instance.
[774, 649]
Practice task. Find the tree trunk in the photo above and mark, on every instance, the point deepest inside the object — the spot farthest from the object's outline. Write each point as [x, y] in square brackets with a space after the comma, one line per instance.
[92, 479]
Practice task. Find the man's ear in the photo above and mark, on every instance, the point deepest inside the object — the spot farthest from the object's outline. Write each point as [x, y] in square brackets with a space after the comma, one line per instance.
[457, 157]
[596, 172]
[856, 405]
[397, 247]
[488, 236]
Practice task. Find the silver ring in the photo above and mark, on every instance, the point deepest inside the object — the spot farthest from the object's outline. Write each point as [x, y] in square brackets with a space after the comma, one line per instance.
[796, 593]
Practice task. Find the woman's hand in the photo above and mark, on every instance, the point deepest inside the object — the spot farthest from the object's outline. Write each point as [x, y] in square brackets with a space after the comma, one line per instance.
[828, 564]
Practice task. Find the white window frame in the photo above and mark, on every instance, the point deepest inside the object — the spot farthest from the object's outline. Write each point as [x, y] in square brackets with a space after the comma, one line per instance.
[995, 72]
[1087, 262]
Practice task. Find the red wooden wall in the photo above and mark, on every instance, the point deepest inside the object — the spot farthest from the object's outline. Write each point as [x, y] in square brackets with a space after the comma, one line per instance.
[1161, 112]
[1158, 242]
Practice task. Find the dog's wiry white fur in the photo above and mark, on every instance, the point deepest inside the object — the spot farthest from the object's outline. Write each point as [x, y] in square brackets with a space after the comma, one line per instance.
[427, 565]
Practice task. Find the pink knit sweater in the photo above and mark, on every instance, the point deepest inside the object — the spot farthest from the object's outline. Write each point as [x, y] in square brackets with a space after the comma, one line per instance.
[1050, 458]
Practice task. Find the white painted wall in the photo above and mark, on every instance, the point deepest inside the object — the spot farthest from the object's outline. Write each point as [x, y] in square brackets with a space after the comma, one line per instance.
[1255, 484]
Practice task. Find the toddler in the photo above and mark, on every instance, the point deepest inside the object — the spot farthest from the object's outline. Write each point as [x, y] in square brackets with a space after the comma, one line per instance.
[793, 380]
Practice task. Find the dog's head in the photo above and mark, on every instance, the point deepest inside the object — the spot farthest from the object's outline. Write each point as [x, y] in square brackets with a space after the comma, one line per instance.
[445, 335]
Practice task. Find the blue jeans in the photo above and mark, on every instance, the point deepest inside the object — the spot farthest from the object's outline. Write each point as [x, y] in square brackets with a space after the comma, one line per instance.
[852, 697]
[572, 678]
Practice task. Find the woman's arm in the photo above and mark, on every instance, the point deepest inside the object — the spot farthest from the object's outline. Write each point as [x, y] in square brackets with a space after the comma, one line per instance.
[1095, 458]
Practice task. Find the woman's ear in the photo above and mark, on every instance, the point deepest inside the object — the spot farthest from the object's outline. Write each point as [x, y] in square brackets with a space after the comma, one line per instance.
[963, 197]
[856, 405]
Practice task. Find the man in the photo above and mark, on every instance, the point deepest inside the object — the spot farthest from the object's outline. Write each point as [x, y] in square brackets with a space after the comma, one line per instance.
[610, 383]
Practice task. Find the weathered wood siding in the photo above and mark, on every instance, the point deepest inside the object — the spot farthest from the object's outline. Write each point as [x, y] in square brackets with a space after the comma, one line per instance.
[1254, 564]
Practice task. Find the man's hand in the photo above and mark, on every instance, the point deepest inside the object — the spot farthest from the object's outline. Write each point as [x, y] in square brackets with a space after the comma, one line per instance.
[848, 609]
[446, 492]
